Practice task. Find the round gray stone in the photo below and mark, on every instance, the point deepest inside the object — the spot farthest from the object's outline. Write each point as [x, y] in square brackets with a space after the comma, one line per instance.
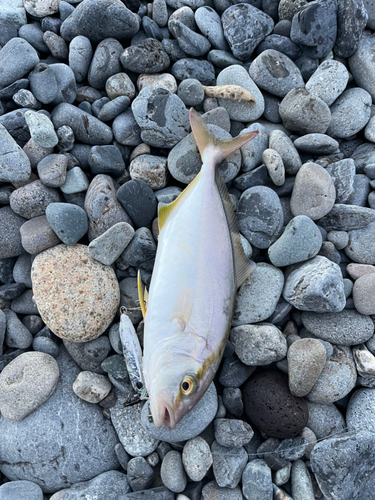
[306, 360]
[360, 414]
[17, 58]
[345, 328]
[10, 235]
[257, 480]
[172, 472]
[192, 424]
[196, 458]
[260, 216]
[108, 247]
[228, 464]
[21, 490]
[281, 143]
[300, 241]
[361, 247]
[52, 170]
[328, 81]
[258, 295]
[350, 113]
[252, 151]
[14, 163]
[258, 345]
[209, 24]
[316, 285]
[361, 63]
[316, 144]
[274, 72]
[324, 419]
[31, 200]
[232, 432]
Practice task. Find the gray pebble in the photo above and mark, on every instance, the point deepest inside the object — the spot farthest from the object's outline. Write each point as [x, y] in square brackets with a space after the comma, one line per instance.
[126, 130]
[41, 129]
[16, 335]
[91, 387]
[221, 58]
[80, 55]
[26, 383]
[56, 44]
[10, 237]
[329, 81]
[343, 174]
[275, 72]
[167, 124]
[37, 235]
[89, 355]
[304, 113]
[120, 85]
[228, 465]
[193, 44]
[257, 481]
[313, 192]
[151, 169]
[209, 23]
[139, 473]
[110, 484]
[315, 285]
[26, 99]
[146, 56]
[172, 472]
[68, 221]
[300, 241]
[160, 13]
[316, 144]
[33, 323]
[140, 249]
[24, 304]
[21, 489]
[361, 190]
[233, 373]
[76, 181]
[212, 491]
[196, 458]
[344, 328]
[105, 62]
[360, 63]
[32, 199]
[255, 302]
[191, 92]
[325, 419]
[232, 400]
[350, 113]
[194, 68]
[46, 345]
[343, 464]
[245, 27]
[106, 160]
[14, 163]
[192, 424]
[232, 432]
[17, 58]
[306, 360]
[361, 247]
[337, 379]
[281, 143]
[107, 247]
[258, 345]
[241, 111]
[361, 410]
[252, 151]
[52, 170]
[139, 201]
[113, 108]
[275, 167]
[53, 83]
[349, 217]
[302, 488]
[292, 448]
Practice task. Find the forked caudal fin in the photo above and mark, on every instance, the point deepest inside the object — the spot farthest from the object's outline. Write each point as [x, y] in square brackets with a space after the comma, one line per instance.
[205, 139]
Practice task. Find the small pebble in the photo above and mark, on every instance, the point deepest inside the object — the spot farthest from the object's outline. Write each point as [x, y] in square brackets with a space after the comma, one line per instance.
[91, 387]
[196, 458]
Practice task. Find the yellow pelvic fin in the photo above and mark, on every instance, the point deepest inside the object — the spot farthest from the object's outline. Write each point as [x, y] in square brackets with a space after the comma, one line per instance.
[242, 266]
[165, 210]
[140, 294]
[183, 307]
[204, 138]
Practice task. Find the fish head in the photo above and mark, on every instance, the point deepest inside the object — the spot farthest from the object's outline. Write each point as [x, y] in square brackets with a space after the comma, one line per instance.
[177, 387]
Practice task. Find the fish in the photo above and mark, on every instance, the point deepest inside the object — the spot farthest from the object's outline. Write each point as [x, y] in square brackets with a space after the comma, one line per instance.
[199, 265]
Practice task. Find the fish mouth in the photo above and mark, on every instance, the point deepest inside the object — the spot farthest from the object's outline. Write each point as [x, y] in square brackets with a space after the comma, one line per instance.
[163, 415]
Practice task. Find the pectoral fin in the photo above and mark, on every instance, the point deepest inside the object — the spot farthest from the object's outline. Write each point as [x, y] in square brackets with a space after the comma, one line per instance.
[243, 267]
[183, 307]
[140, 295]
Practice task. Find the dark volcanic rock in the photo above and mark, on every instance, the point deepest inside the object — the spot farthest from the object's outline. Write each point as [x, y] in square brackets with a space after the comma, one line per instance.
[145, 57]
[271, 407]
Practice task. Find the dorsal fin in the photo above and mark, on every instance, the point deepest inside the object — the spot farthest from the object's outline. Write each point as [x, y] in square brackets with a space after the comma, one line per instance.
[243, 267]
[165, 210]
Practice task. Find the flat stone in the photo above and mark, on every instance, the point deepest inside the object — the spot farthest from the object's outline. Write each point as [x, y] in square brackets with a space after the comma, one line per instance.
[348, 217]
[108, 247]
[355, 271]
[316, 144]
[304, 113]
[242, 111]
[337, 379]
[313, 193]
[31, 200]
[17, 58]
[328, 81]
[194, 68]
[343, 174]
[139, 201]
[80, 426]
[275, 72]
[37, 235]
[100, 19]
[300, 241]
[343, 464]
[306, 360]
[316, 285]
[258, 345]
[76, 181]
[52, 170]
[21, 489]
[192, 424]
[232, 432]
[81, 314]
[26, 383]
[68, 221]
[245, 27]
[110, 484]
[344, 328]
[260, 216]
[258, 296]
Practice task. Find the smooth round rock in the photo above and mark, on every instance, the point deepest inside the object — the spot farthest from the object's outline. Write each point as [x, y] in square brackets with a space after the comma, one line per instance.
[275, 167]
[80, 55]
[77, 297]
[325, 419]
[304, 113]
[275, 72]
[257, 480]
[258, 295]
[151, 169]
[91, 387]
[350, 113]
[361, 247]
[361, 410]
[313, 193]
[147, 56]
[14, 163]
[232, 432]
[209, 24]
[328, 81]
[37, 235]
[260, 216]
[241, 111]
[10, 236]
[258, 345]
[196, 458]
[228, 464]
[271, 407]
[41, 129]
[108, 247]
[31, 200]
[192, 424]
[17, 58]
[306, 360]
[105, 63]
[360, 63]
[52, 170]
[172, 472]
[281, 143]
[21, 490]
[364, 294]
[100, 19]
[120, 85]
[300, 241]
[337, 379]
[245, 27]
[194, 68]
[316, 144]
[68, 221]
[26, 383]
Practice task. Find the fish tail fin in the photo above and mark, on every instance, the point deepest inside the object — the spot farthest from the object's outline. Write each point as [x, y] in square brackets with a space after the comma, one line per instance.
[205, 139]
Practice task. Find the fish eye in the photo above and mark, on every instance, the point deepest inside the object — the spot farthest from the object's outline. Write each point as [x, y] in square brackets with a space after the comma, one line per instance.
[188, 385]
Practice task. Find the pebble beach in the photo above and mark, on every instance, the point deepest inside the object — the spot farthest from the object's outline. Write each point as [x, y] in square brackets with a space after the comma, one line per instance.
[94, 136]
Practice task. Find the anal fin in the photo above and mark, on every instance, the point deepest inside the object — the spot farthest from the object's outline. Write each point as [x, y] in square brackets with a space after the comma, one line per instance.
[243, 267]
